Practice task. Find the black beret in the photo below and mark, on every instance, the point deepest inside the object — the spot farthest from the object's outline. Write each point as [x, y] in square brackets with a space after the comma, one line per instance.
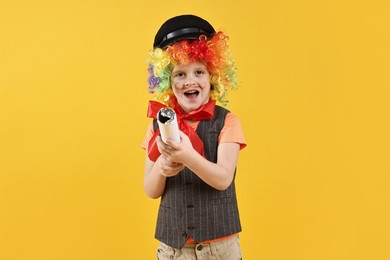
[182, 27]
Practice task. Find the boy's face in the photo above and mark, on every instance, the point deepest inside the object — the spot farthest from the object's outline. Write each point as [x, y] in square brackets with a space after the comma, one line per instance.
[191, 85]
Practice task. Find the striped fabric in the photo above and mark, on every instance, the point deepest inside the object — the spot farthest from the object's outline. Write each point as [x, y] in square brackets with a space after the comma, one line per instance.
[191, 208]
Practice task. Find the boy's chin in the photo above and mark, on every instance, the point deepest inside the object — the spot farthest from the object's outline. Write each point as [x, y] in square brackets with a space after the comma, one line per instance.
[190, 107]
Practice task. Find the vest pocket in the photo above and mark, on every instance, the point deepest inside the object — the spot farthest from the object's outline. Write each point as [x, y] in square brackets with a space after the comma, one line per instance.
[219, 201]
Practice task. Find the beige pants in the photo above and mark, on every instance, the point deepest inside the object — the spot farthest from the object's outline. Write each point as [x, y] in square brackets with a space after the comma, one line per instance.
[228, 249]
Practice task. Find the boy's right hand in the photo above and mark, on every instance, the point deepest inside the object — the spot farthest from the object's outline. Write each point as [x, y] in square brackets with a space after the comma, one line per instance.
[168, 168]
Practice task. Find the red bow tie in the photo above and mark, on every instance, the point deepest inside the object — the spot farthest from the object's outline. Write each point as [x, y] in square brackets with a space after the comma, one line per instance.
[206, 111]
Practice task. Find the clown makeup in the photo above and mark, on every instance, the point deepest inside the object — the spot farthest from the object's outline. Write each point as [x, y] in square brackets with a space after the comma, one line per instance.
[191, 85]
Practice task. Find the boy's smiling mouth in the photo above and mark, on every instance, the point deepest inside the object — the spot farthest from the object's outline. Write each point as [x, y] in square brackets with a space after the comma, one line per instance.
[191, 93]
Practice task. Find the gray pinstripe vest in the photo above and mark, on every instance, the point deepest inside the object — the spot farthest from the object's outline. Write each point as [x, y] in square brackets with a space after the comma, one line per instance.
[189, 206]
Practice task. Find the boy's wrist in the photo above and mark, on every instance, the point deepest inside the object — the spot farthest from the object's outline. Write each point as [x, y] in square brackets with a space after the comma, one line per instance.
[192, 158]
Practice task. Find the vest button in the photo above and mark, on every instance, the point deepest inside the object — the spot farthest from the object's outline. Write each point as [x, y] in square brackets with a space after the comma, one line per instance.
[190, 206]
[199, 247]
[183, 234]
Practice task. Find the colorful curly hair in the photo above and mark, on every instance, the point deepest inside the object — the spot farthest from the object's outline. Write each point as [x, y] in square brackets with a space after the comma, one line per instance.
[214, 53]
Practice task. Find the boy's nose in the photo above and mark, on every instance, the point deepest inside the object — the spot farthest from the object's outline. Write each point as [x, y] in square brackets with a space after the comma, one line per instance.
[189, 83]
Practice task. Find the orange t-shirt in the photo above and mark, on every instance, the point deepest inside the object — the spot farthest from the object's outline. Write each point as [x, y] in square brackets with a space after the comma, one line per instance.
[230, 133]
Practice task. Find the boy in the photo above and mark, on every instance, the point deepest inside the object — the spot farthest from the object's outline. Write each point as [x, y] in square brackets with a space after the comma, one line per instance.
[190, 67]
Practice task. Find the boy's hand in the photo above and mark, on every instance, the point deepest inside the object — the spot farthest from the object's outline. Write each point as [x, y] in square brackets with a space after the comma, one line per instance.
[168, 167]
[177, 152]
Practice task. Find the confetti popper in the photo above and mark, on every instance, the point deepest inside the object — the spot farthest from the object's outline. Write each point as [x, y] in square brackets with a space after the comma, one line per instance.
[167, 122]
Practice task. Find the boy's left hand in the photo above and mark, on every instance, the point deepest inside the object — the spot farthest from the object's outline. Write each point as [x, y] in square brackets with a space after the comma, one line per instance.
[178, 152]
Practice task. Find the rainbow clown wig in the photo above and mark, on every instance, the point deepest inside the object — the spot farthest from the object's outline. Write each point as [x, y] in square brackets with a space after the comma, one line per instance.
[186, 39]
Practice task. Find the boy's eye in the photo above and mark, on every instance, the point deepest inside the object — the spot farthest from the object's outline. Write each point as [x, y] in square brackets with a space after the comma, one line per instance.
[180, 74]
[199, 72]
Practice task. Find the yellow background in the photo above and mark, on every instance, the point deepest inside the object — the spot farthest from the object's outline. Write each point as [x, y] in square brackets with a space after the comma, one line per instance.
[313, 182]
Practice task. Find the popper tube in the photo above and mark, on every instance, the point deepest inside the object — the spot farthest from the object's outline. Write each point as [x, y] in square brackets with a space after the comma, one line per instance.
[167, 122]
